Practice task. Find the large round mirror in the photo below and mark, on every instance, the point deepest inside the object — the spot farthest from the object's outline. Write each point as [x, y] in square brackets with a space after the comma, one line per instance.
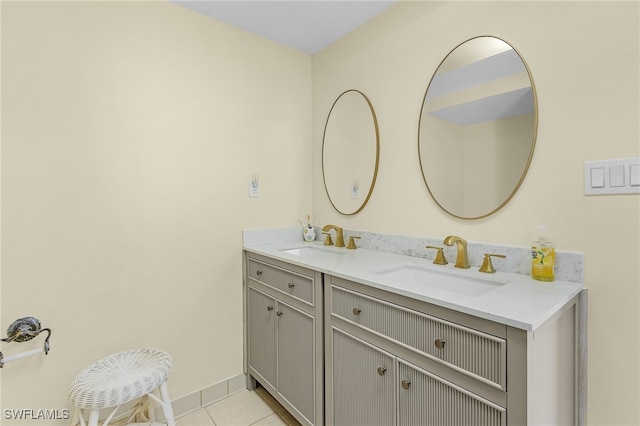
[350, 151]
[477, 128]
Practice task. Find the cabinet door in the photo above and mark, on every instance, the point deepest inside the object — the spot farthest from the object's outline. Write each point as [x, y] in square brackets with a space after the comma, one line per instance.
[296, 359]
[262, 335]
[425, 399]
[363, 383]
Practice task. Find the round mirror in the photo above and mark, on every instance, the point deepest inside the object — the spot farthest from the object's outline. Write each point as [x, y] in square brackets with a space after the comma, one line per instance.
[350, 151]
[477, 128]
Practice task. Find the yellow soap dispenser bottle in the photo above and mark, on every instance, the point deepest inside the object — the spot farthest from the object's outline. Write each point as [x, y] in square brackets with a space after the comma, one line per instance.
[543, 256]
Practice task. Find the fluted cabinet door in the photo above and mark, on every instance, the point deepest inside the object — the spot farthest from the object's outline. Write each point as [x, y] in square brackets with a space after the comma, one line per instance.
[262, 335]
[363, 383]
[296, 359]
[427, 400]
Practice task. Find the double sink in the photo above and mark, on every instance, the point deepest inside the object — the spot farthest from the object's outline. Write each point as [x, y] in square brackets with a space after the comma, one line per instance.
[413, 275]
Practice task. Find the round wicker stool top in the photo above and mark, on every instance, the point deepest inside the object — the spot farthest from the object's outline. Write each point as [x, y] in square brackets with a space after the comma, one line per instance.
[119, 378]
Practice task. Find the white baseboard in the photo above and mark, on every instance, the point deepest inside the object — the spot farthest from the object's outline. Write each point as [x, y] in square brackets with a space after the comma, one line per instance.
[207, 396]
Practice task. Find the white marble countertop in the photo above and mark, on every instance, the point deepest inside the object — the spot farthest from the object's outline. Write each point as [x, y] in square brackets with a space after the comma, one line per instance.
[518, 300]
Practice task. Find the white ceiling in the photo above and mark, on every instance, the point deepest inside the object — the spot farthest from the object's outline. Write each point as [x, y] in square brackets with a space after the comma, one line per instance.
[305, 25]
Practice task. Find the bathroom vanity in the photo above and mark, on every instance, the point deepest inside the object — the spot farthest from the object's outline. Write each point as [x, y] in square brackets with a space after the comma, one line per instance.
[284, 331]
[366, 337]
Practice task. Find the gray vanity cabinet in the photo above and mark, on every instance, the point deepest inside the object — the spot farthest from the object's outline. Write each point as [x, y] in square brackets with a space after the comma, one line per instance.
[338, 352]
[393, 365]
[394, 360]
[284, 335]
[372, 387]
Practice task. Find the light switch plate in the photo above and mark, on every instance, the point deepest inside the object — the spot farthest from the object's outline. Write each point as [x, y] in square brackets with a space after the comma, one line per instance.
[618, 176]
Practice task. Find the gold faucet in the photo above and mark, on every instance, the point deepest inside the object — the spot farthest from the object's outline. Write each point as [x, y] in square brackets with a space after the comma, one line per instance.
[351, 245]
[487, 266]
[440, 259]
[327, 241]
[339, 234]
[462, 260]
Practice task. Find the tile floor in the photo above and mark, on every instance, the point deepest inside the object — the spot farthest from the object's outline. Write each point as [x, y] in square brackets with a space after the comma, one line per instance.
[244, 408]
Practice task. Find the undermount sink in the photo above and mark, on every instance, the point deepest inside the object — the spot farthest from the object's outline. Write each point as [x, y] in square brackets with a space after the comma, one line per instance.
[415, 277]
[314, 251]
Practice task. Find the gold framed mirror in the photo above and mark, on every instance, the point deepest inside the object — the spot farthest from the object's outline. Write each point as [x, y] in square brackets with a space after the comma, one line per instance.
[350, 152]
[477, 128]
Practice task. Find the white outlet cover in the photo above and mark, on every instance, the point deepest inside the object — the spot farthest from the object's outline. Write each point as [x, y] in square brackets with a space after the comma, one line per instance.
[254, 189]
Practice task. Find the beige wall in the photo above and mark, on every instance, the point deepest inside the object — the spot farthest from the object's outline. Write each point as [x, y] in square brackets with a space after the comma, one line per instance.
[126, 151]
[584, 61]
[129, 133]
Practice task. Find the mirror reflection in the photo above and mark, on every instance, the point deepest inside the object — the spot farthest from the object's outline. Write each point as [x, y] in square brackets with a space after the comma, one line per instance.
[350, 151]
[477, 128]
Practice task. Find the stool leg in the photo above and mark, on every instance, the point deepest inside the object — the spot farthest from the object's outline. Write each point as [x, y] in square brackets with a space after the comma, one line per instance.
[166, 406]
[94, 417]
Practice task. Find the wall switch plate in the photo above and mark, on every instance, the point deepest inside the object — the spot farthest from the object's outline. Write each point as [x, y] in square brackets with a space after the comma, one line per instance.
[254, 188]
[619, 176]
[355, 187]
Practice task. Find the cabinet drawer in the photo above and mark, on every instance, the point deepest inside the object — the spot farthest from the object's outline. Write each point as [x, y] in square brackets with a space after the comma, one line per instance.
[296, 285]
[471, 352]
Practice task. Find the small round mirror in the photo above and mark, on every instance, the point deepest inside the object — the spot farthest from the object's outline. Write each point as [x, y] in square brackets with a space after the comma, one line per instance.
[350, 152]
[477, 128]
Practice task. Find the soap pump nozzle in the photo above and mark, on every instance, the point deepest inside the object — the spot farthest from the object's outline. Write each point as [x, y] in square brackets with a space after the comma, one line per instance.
[542, 229]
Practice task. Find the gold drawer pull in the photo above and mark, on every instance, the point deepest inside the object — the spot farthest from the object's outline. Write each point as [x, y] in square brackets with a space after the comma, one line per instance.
[356, 311]
[439, 343]
[279, 313]
[258, 272]
[406, 384]
[382, 370]
[291, 285]
[269, 308]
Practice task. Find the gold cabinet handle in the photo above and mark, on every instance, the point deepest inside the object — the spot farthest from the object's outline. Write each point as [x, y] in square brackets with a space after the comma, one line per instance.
[269, 308]
[439, 343]
[291, 285]
[356, 311]
[279, 313]
[258, 272]
[382, 370]
[406, 384]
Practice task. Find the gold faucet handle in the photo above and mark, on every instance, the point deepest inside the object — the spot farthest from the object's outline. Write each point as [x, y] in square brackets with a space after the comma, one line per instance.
[328, 241]
[487, 266]
[351, 245]
[440, 259]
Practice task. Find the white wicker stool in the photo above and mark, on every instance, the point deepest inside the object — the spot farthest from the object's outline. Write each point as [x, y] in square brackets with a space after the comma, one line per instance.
[118, 379]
